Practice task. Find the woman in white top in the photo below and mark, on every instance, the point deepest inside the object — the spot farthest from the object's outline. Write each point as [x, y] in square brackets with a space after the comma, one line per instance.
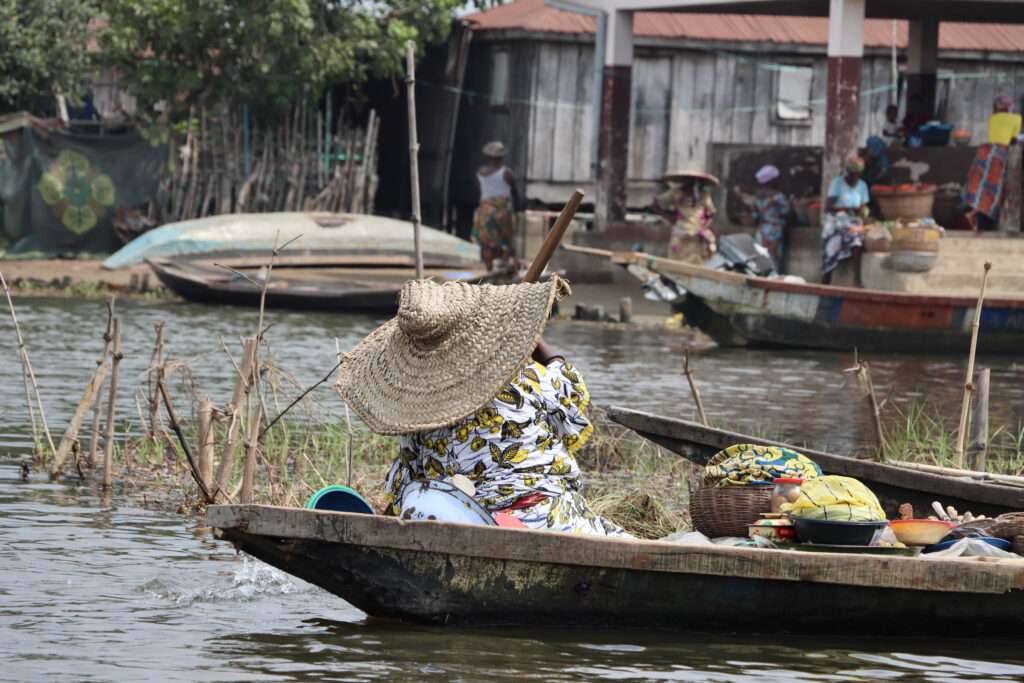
[493, 223]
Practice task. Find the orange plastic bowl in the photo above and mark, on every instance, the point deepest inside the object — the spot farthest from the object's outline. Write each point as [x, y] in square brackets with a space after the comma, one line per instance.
[920, 531]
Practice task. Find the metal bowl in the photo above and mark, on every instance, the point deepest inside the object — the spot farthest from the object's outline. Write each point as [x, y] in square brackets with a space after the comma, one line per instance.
[829, 532]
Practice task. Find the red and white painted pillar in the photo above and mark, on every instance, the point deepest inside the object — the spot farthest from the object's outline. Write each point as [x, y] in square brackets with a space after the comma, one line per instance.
[842, 106]
[613, 135]
[923, 61]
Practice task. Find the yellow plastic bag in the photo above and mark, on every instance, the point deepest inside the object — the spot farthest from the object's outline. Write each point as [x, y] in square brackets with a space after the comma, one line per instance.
[841, 499]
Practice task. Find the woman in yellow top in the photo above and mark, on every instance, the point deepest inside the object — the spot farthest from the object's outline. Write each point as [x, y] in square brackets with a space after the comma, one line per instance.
[983, 194]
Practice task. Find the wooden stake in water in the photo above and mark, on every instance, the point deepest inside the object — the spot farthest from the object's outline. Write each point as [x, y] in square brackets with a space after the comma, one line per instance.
[979, 422]
[108, 338]
[108, 445]
[206, 442]
[414, 150]
[961, 437]
[693, 389]
[27, 367]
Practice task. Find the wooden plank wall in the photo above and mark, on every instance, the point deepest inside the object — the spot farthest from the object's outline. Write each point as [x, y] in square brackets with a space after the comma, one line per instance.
[685, 99]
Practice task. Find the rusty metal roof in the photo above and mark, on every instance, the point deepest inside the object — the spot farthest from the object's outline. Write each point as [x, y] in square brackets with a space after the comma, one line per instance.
[534, 15]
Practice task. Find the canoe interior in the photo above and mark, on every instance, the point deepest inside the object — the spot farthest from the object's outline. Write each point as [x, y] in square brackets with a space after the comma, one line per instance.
[892, 484]
[453, 574]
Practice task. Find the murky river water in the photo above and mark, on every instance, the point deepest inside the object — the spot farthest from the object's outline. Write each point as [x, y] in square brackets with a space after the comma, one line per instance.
[94, 591]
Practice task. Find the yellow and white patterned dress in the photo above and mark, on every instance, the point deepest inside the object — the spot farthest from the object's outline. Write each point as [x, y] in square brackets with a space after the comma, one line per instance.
[519, 445]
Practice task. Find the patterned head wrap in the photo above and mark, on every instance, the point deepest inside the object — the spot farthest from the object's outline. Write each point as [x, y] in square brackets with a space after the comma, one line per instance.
[1003, 103]
[766, 174]
[854, 164]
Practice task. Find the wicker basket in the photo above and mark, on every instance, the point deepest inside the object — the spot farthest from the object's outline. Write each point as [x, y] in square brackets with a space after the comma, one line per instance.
[916, 204]
[1008, 525]
[727, 510]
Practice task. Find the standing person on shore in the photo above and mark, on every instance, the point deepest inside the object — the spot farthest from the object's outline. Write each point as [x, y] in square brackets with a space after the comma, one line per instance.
[846, 206]
[461, 373]
[686, 205]
[493, 224]
[771, 213]
[986, 180]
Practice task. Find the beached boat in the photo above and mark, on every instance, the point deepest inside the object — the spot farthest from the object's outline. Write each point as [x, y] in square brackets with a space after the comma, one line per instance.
[343, 287]
[892, 483]
[445, 573]
[320, 235]
[739, 310]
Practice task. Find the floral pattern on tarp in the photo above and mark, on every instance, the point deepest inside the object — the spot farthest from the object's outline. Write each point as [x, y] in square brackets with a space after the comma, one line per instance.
[750, 464]
[520, 444]
[493, 228]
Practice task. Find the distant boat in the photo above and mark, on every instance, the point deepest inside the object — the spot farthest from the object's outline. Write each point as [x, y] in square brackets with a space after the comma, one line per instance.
[327, 283]
[323, 234]
[740, 310]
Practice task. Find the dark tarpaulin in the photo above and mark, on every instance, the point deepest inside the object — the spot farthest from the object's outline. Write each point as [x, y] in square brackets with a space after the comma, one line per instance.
[60, 190]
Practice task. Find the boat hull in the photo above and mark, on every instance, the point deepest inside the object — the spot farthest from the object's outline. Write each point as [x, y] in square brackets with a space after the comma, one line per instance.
[456, 574]
[737, 310]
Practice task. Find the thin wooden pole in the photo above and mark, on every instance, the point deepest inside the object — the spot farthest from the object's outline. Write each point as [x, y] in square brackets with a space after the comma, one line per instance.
[242, 385]
[92, 390]
[156, 367]
[27, 366]
[961, 437]
[108, 446]
[206, 442]
[554, 238]
[701, 415]
[979, 446]
[864, 374]
[249, 468]
[108, 338]
[414, 151]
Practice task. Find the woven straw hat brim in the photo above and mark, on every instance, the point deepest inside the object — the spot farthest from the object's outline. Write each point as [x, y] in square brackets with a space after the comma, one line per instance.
[399, 385]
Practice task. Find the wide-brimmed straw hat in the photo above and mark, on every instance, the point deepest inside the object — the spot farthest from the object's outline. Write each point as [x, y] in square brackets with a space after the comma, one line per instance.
[494, 149]
[449, 351]
[682, 174]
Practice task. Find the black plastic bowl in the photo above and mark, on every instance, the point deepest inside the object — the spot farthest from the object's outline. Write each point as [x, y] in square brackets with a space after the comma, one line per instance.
[829, 532]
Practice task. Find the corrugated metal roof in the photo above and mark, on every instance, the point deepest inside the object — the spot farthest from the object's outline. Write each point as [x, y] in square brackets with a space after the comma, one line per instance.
[534, 15]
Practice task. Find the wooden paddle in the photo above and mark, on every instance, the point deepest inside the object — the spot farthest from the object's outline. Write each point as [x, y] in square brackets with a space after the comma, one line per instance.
[551, 242]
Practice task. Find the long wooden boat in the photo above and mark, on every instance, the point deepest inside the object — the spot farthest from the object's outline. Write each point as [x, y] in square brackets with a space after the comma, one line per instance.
[339, 289]
[739, 310]
[445, 573]
[310, 232]
[893, 484]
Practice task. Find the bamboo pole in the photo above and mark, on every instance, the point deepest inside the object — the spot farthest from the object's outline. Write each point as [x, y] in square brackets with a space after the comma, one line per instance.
[156, 367]
[864, 375]
[414, 151]
[108, 446]
[249, 468]
[27, 385]
[242, 386]
[961, 437]
[979, 447]
[92, 390]
[108, 338]
[701, 415]
[206, 442]
[27, 366]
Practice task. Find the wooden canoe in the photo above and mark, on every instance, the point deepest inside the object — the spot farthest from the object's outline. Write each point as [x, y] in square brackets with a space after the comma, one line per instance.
[893, 484]
[444, 573]
[340, 289]
[739, 310]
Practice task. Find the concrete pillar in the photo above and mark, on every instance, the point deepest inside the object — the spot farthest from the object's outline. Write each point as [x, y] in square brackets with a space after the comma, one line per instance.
[613, 135]
[923, 61]
[842, 105]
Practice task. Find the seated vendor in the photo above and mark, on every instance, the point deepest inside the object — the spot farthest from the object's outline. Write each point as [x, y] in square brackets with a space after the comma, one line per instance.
[846, 206]
[462, 375]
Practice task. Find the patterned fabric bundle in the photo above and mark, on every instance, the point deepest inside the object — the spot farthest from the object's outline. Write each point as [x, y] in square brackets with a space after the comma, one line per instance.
[520, 445]
[749, 464]
[986, 180]
[840, 499]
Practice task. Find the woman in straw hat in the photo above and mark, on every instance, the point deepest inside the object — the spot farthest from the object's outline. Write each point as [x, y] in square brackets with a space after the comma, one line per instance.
[493, 221]
[462, 375]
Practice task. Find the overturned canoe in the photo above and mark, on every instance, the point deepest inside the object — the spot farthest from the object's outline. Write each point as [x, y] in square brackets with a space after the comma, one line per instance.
[739, 310]
[452, 573]
[314, 234]
[339, 289]
[893, 484]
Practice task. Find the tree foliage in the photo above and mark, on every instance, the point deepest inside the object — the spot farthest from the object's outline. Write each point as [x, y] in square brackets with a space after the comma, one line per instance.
[261, 52]
[43, 46]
